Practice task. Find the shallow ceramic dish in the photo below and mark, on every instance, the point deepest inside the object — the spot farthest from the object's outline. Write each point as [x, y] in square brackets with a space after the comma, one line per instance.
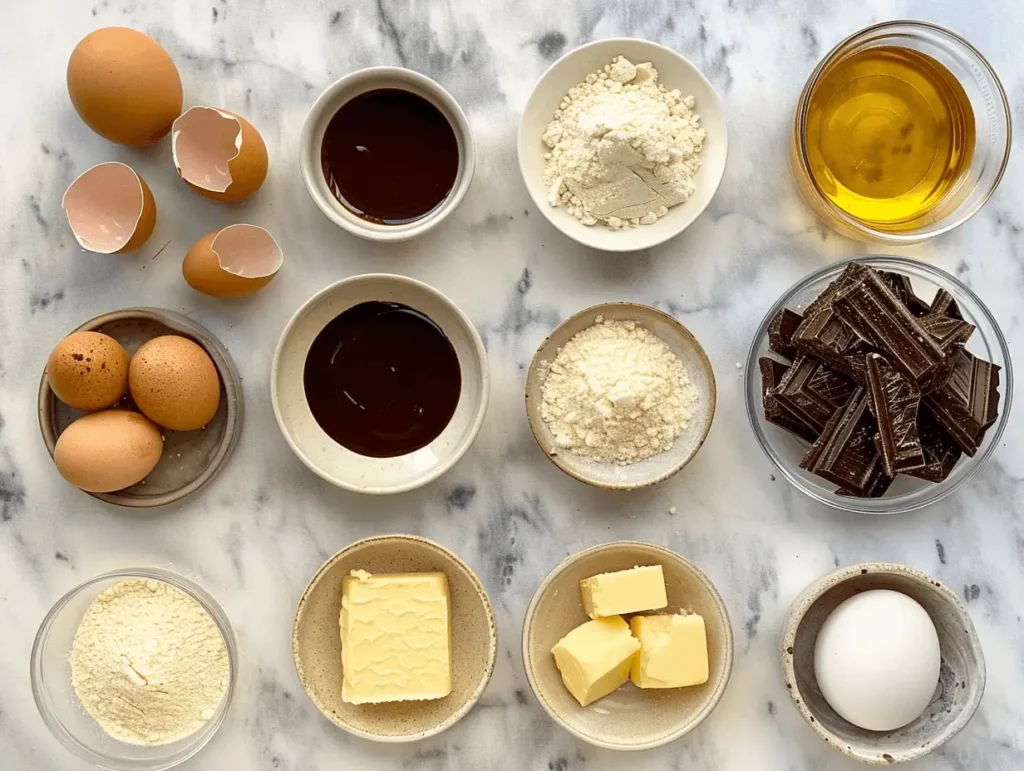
[325, 107]
[683, 344]
[316, 640]
[190, 458]
[59, 706]
[674, 72]
[319, 451]
[906, 493]
[629, 718]
[961, 677]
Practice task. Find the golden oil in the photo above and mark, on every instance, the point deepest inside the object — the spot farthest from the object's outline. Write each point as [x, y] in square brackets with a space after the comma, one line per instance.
[889, 135]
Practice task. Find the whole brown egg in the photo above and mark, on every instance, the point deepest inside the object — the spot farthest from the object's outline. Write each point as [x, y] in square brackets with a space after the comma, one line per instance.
[174, 383]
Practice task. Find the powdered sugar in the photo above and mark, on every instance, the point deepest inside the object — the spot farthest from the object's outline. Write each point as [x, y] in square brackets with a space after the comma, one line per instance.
[623, 148]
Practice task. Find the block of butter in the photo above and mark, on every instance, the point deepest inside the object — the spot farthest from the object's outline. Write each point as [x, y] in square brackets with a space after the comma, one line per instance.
[595, 658]
[395, 637]
[625, 591]
[673, 651]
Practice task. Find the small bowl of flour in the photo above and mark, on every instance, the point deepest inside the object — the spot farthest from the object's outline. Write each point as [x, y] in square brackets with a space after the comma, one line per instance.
[134, 669]
[620, 396]
[622, 144]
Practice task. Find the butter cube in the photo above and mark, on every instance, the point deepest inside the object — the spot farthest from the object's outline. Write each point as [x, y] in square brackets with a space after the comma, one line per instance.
[395, 637]
[626, 591]
[595, 658]
[673, 651]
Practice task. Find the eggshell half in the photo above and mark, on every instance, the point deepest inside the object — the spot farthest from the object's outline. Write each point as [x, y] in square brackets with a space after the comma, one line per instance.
[106, 451]
[88, 370]
[124, 86]
[232, 262]
[174, 382]
[218, 153]
[110, 209]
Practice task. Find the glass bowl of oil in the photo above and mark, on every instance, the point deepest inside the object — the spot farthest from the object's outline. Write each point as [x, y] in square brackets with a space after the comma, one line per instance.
[901, 133]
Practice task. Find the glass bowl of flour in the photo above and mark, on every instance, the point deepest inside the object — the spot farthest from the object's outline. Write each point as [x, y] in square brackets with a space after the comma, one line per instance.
[134, 669]
[622, 144]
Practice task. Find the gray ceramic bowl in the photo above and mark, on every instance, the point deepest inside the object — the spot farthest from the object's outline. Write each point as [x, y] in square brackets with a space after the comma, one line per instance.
[190, 458]
[961, 677]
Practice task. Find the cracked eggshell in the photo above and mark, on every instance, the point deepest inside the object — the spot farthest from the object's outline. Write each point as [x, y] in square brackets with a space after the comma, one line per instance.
[110, 209]
[218, 153]
[124, 86]
[232, 262]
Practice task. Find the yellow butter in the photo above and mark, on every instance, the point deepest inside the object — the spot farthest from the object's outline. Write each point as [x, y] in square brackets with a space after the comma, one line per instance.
[673, 651]
[595, 658]
[625, 591]
[395, 637]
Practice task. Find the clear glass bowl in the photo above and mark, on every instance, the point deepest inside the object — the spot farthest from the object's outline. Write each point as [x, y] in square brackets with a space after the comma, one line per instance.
[906, 493]
[993, 130]
[59, 706]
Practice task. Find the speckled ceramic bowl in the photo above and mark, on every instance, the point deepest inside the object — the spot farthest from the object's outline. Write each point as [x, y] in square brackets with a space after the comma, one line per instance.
[961, 677]
[190, 458]
[316, 640]
[658, 468]
[630, 718]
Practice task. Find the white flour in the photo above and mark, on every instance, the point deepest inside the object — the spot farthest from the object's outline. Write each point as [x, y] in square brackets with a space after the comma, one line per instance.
[623, 148]
[616, 393]
[148, 662]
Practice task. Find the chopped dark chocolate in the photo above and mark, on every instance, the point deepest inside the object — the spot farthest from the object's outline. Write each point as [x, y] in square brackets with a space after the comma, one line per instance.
[879, 486]
[845, 453]
[895, 401]
[943, 304]
[772, 372]
[811, 391]
[870, 308]
[850, 274]
[780, 333]
[941, 452]
[951, 335]
[969, 402]
[904, 290]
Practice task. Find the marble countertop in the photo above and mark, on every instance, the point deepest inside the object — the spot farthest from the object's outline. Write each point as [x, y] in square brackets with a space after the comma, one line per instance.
[259, 531]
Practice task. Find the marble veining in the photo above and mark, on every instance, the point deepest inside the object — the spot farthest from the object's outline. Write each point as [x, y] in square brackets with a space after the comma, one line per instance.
[257, 534]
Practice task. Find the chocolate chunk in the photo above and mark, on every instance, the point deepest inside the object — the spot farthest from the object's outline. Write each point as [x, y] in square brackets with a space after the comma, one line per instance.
[826, 337]
[969, 402]
[895, 402]
[878, 488]
[943, 304]
[941, 452]
[904, 290]
[811, 391]
[845, 453]
[871, 310]
[772, 372]
[780, 333]
[951, 335]
[849, 275]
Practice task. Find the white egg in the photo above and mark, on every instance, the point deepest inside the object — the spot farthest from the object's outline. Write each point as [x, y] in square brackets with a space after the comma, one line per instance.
[877, 660]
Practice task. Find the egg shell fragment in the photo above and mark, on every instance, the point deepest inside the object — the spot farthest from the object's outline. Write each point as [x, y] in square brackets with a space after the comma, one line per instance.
[110, 209]
[174, 382]
[107, 451]
[234, 261]
[88, 370]
[218, 153]
[124, 85]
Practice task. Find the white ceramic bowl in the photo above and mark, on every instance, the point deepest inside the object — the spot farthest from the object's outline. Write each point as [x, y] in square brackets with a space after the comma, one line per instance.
[319, 451]
[327, 105]
[674, 72]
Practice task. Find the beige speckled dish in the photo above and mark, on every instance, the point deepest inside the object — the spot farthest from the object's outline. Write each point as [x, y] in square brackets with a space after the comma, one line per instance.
[961, 678]
[657, 469]
[316, 640]
[190, 458]
[629, 718]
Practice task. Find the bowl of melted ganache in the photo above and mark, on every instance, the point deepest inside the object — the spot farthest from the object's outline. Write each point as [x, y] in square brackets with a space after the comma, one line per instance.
[386, 153]
[379, 383]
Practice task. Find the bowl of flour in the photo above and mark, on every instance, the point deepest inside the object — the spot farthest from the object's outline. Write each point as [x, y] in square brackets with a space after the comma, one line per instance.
[622, 144]
[620, 396]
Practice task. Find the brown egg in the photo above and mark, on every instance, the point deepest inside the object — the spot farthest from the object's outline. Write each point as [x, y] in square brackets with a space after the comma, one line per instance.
[175, 383]
[218, 153]
[108, 450]
[124, 86]
[88, 370]
[232, 262]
